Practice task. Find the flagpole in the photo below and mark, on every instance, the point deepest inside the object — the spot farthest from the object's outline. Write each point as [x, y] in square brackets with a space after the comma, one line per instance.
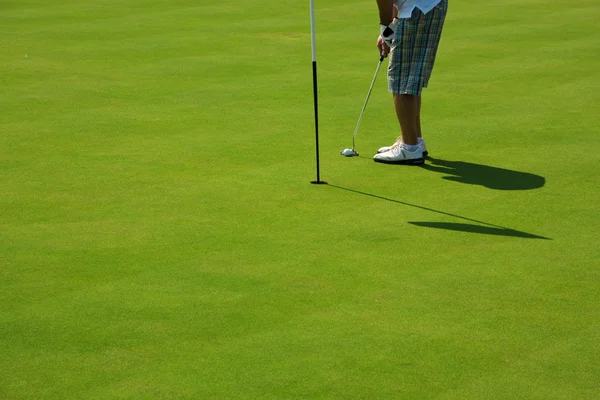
[314, 73]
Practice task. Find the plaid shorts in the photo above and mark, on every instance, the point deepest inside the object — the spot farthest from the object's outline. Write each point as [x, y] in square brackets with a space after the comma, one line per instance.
[413, 50]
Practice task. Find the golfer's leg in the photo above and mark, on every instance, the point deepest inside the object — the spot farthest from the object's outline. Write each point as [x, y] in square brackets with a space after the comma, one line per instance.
[407, 111]
[419, 134]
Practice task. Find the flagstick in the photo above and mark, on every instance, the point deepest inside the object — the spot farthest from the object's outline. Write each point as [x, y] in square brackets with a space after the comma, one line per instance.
[314, 70]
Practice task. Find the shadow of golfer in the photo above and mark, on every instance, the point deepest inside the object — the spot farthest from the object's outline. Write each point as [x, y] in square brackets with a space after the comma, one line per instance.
[483, 175]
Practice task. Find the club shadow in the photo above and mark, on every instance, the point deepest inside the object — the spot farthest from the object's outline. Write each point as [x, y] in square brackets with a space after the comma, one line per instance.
[480, 227]
[484, 175]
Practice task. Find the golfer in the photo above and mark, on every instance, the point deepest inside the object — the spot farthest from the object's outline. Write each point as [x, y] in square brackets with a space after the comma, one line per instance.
[410, 33]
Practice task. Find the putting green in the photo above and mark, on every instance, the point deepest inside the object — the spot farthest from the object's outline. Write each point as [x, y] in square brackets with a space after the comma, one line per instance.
[160, 238]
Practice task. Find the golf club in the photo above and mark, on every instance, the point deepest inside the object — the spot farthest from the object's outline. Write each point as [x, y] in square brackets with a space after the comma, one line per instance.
[352, 152]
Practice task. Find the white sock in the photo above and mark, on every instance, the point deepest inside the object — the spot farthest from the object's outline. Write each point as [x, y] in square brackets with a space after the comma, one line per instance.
[410, 147]
[420, 140]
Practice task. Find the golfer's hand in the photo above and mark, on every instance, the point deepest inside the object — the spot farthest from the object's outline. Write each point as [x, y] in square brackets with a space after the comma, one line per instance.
[383, 48]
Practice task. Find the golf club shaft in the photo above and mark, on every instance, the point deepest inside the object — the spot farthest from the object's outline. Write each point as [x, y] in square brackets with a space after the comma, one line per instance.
[366, 101]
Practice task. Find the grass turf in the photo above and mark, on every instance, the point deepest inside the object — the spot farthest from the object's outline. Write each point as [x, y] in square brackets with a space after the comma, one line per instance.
[160, 238]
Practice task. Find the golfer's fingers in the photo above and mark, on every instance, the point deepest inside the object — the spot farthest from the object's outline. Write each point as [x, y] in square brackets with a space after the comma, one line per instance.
[380, 47]
[383, 48]
[386, 50]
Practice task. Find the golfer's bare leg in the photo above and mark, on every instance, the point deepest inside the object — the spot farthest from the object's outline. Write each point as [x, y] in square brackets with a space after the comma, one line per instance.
[407, 111]
[419, 119]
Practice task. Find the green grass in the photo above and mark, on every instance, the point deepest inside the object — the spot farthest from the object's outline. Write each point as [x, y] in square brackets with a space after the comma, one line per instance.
[159, 237]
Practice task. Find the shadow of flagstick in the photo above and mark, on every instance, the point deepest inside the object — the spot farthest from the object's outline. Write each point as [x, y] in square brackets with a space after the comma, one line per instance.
[487, 228]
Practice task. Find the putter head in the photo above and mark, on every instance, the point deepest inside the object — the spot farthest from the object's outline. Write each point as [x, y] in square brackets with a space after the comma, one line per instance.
[349, 152]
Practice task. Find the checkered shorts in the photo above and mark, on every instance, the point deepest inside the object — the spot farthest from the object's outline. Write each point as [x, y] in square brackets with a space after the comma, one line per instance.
[413, 50]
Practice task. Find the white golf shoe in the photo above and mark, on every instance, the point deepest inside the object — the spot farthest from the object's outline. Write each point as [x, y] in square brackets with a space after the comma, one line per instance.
[398, 141]
[398, 154]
